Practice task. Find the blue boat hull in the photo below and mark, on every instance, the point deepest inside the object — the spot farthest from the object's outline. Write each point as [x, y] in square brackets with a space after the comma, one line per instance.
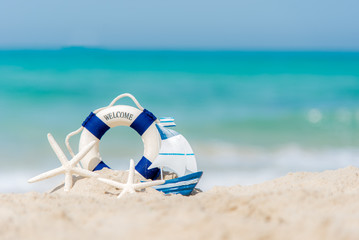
[182, 185]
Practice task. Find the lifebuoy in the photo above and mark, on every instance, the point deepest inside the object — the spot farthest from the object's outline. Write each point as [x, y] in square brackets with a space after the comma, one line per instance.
[101, 120]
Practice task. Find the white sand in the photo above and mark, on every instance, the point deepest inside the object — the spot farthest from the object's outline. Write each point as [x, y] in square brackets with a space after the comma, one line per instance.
[298, 206]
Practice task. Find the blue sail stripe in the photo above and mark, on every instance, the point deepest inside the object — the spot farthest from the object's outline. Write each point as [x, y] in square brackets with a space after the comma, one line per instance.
[166, 133]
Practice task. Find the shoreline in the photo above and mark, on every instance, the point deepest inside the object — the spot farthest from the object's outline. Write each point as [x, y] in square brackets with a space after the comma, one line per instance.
[299, 205]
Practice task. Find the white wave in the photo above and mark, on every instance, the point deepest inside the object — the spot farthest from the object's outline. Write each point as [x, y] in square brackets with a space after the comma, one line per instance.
[227, 164]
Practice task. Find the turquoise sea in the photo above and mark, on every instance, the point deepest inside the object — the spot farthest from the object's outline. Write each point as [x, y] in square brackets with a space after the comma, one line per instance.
[249, 116]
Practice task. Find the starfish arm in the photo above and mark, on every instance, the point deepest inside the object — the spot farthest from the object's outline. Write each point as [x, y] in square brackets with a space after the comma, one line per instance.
[82, 153]
[46, 175]
[122, 193]
[131, 189]
[148, 184]
[131, 172]
[68, 182]
[59, 153]
[112, 183]
[84, 172]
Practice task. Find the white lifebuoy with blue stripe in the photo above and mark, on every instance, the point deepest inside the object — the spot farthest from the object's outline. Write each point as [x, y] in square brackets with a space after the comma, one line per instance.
[143, 121]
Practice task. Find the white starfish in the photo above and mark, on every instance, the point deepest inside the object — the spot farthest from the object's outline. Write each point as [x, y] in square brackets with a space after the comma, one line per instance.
[130, 186]
[68, 167]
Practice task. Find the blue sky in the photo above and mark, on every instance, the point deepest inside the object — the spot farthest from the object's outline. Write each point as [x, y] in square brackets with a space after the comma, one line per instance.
[185, 24]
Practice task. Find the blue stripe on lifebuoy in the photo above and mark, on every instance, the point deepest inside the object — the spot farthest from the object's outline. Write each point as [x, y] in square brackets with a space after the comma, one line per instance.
[95, 125]
[100, 166]
[143, 121]
[142, 168]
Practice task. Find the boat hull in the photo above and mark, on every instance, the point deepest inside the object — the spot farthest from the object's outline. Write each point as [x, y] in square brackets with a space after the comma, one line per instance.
[183, 185]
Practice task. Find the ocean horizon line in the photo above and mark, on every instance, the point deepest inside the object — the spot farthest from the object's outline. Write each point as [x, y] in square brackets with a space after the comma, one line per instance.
[209, 50]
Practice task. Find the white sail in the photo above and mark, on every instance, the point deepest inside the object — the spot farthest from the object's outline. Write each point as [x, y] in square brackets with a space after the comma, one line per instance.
[175, 153]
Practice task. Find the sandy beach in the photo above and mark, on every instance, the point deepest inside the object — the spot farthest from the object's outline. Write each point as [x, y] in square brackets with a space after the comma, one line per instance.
[254, 105]
[297, 206]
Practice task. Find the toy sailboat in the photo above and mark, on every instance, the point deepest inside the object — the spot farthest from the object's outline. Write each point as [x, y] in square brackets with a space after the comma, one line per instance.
[177, 155]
